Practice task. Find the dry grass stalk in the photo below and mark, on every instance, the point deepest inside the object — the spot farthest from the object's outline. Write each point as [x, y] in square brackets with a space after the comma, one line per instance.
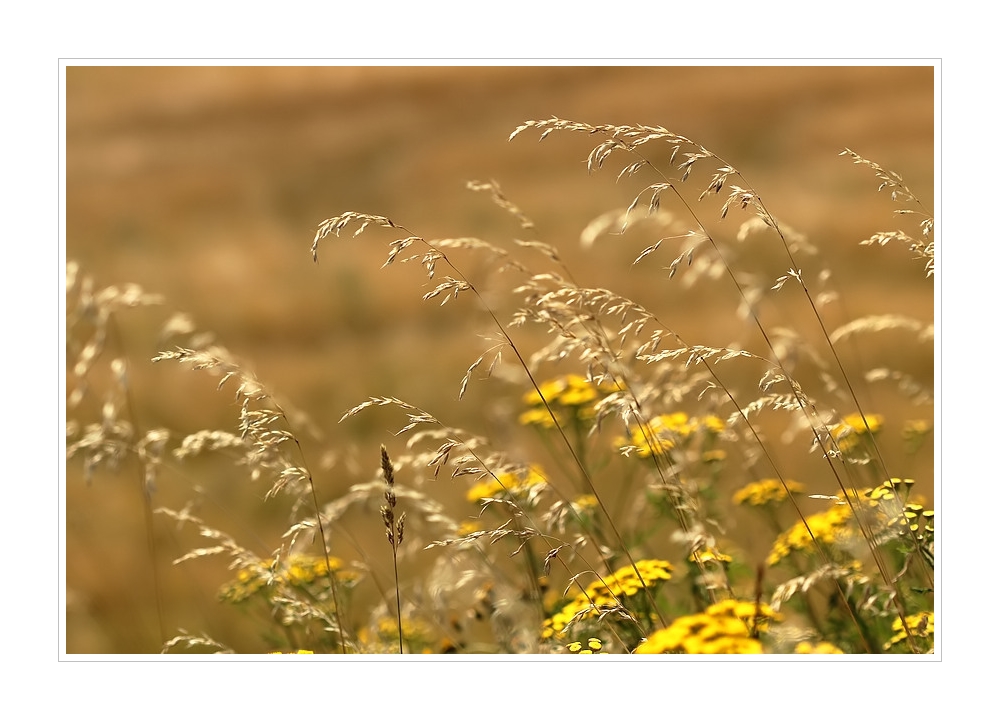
[394, 532]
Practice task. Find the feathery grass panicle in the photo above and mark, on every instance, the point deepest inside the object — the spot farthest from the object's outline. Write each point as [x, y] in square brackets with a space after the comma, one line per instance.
[394, 533]
[118, 436]
[901, 194]
[267, 452]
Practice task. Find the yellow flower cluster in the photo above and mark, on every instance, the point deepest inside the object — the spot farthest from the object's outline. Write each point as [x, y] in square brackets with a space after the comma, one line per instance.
[468, 526]
[296, 570]
[915, 516]
[766, 491]
[820, 648]
[829, 527]
[892, 499]
[513, 483]
[888, 508]
[853, 430]
[593, 646]
[723, 628]
[710, 554]
[889, 490]
[920, 624]
[384, 635]
[571, 397]
[607, 593]
[664, 432]
[914, 434]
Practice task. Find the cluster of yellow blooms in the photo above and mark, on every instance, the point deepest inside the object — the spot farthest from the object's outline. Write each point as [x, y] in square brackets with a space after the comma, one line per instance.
[728, 627]
[766, 491]
[383, 635]
[837, 525]
[819, 648]
[592, 646]
[296, 570]
[920, 624]
[570, 397]
[900, 513]
[518, 484]
[828, 527]
[665, 432]
[852, 432]
[708, 554]
[607, 593]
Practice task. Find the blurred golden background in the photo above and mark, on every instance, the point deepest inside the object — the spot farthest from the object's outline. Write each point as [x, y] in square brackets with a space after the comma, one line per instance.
[206, 184]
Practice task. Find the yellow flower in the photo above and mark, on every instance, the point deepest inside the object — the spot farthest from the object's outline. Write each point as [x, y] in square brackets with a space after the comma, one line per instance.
[593, 647]
[570, 397]
[296, 570]
[658, 436]
[607, 593]
[828, 527]
[513, 483]
[820, 648]
[855, 423]
[467, 527]
[663, 433]
[854, 430]
[712, 423]
[920, 624]
[706, 555]
[714, 455]
[914, 434]
[766, 491]
[540, 417]
[723, 628]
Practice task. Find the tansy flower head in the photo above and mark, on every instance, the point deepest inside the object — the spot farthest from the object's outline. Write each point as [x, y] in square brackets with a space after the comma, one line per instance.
[611, 591]
[665, 432]
[820, 648]
[592, 646]
[920, 625]
[710, 554]
[915, 433]
[570, 397]
[295, 570]
[522, 485]
[854, 429]
[766, 491]
[656, 437]
[723, 628]
[829, 527]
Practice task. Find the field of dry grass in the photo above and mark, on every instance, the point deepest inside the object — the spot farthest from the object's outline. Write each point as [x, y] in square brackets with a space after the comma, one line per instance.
[206, 186]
